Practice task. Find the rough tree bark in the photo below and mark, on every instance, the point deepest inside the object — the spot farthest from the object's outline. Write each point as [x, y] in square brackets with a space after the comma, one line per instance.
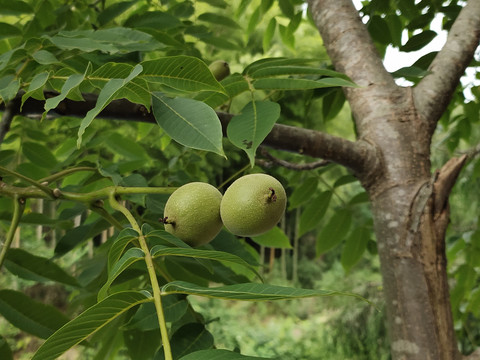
[410, 204]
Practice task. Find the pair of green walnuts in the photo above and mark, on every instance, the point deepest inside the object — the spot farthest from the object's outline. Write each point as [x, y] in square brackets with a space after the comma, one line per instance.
[252, 205]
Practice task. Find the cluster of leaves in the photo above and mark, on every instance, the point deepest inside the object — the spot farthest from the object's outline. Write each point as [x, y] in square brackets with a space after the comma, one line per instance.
[134, 50]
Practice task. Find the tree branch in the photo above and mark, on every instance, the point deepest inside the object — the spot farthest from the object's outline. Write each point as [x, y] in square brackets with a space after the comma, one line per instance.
[353, 53]
[433, 93]
[353, 155]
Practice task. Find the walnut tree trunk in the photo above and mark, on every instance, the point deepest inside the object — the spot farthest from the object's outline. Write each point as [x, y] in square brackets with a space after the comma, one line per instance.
[409, 200]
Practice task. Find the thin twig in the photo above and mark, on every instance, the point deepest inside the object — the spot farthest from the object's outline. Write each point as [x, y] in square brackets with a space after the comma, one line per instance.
[18, 207]
[292, 166]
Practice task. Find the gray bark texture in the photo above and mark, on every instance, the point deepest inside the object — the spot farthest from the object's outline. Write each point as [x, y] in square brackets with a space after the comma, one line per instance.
[409, 201]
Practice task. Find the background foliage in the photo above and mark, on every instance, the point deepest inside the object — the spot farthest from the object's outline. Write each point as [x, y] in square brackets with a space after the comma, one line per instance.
[156, 55]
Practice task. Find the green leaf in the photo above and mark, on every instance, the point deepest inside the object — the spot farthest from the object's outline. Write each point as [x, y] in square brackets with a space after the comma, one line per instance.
[219, 354]
[8, 31]
[113, 11]
[287, 8]
[123, 146]
[224, 257]
[39, 155]
[416, 42]
[314, 212]
[131, 256]
[5, 352]
[302, 192]
[274, 238]
[410, 72]
[35, 88]
[145, 319]
[29, 315]
[234, 85]
[15, 7]
[106, 95]
[184, 73]
[354, 247]
[189, 122]
[44, 57]
[335, 230]
[136, 90]
[268, 34]
[89, 322]
[283, 70]
[72, 82]
[274, 62]
[248, 129]
[300, 84]
[189, 338]
[288, 38]
[153, 19]
[112, 40]
[9, 87]
[379, 30]
[247, 291]
[124, 237]
[218, 19]
[32, 267]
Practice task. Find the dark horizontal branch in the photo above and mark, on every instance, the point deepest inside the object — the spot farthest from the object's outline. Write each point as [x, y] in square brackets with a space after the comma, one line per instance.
[353, 155]
[433, 93]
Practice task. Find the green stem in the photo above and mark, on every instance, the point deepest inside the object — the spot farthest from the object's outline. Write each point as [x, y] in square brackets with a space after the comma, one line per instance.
[66, 172]
[118, 190]
[35, 183]
[18, 207]
[151, 272]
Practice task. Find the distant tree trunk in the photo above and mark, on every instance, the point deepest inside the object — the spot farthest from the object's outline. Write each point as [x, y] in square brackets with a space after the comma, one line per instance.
[409, 203]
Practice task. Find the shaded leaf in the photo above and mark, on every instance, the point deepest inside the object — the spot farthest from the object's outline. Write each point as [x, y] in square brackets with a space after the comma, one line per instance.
[5, 352]
[9, 87]
[8, 30]
[131, 256]
[114, 10]
[44, 57]
[416, 42]
[89, 322]
[189, 122]
[218, 19]
[29, 315]
[314, 212]
[302, 192]
[354, 247]
[274, 238]
[32, 267]
[160, 250]
[39, 155]
[187, 339]
[219, 354]
[248, 129]
[334, 231]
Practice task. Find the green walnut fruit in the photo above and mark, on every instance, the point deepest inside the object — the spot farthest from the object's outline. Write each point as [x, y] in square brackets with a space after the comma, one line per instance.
[219, 69]
[192, 213]
[253, 204]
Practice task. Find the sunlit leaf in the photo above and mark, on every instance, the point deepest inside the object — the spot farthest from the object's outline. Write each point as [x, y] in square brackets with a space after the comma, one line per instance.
[184, 73]
[248, 129]
[89, 322]
[35, 89]
[189, 122]
[106, 95]
[247, 291]
[299, 84]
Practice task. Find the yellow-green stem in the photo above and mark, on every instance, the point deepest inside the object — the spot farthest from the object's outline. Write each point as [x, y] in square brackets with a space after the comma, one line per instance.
[151, 272]
[18, 207]
[35, 183]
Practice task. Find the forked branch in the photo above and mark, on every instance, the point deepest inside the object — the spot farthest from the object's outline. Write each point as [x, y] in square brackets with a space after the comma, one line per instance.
[433, 93]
